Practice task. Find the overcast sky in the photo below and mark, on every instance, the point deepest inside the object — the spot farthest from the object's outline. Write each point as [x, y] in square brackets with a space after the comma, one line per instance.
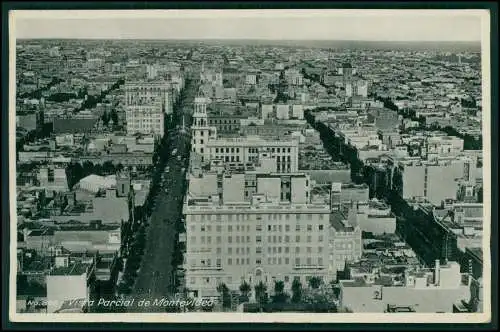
[369, 25]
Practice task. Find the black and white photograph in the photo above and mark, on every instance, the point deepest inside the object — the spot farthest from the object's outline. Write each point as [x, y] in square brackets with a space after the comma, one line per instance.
[250, 165]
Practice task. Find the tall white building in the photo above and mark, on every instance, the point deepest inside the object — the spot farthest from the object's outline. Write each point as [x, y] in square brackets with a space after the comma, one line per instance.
[145, 119]
[208, 146]
[201, 132]
[273, 233]
[146, 106]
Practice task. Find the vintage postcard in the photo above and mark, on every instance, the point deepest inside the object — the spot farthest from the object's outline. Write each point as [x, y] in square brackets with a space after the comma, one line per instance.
[250, 166]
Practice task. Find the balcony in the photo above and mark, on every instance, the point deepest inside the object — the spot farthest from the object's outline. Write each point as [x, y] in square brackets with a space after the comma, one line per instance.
[205, 268]
[309, 267]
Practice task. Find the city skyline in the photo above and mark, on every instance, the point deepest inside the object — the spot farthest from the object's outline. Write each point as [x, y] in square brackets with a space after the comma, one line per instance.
[340, 25]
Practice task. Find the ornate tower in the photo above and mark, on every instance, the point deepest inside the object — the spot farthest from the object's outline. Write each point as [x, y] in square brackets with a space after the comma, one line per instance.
[200, 130]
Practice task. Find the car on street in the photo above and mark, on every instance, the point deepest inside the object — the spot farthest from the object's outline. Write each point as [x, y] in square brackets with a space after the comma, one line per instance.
[174, 152]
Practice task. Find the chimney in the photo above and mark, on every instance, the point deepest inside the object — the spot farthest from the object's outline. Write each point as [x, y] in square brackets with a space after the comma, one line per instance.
[437, 272]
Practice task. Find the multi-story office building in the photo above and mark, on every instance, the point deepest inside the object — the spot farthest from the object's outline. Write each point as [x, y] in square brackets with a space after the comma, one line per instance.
[252, 148]
[146, 105]
[233, 237]
[141, 93]
[345, 243]
[435, 180]
[53, 178]
[208, 146]
[145, 119]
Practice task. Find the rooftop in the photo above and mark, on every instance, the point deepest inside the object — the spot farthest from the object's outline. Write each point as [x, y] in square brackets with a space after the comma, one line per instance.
[75, 269]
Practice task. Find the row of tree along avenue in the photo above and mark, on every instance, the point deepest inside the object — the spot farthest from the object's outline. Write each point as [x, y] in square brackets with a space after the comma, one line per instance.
[315, 297]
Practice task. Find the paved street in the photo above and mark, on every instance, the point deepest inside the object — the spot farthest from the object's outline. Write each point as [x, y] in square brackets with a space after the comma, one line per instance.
[155, 277]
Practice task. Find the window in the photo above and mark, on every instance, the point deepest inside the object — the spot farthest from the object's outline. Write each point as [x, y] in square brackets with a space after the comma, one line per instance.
[287, 260]
[320, 227]
[297, 228]
[203, 240]
[309, 239]
[309, 228]
[297, 250]
[320, 261]
[297, 261]
[229, 261]
[287, 238]
[287, 279]
[309, 250]
[230, 239]
[320, 238]
[229, 250]
[230, 228]
[297, 238]
[258, 261]
[219, 250]
[258, 250]
[287, 228]
[202, 228]
[309, 261]
[320, 250]
[268, 227]
[193, 239]
[258, 238]
[287, 249]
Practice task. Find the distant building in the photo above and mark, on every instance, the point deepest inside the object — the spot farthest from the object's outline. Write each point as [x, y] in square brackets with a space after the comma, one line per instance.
[69, 286]
[419, 291]
[53, 178]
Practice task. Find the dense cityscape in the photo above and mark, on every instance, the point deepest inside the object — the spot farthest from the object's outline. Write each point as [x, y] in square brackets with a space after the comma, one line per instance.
[248, 177]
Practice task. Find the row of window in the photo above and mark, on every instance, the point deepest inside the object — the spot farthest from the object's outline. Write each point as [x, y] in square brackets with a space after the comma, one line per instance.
[260, 250]
[217, 121]
[258, 239]
[248, 216]
[270, 260]
[259, 227]
[229, 279]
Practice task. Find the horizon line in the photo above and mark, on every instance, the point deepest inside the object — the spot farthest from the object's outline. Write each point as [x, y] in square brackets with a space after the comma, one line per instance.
[248, 39]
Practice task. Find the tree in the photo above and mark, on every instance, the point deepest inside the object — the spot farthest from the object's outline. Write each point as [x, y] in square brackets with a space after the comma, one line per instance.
[105, 118]
[260, 293]
[315, 282]
[296, 291]
[225, 295]
[279, 292]
[114, 116]
[245, 289]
